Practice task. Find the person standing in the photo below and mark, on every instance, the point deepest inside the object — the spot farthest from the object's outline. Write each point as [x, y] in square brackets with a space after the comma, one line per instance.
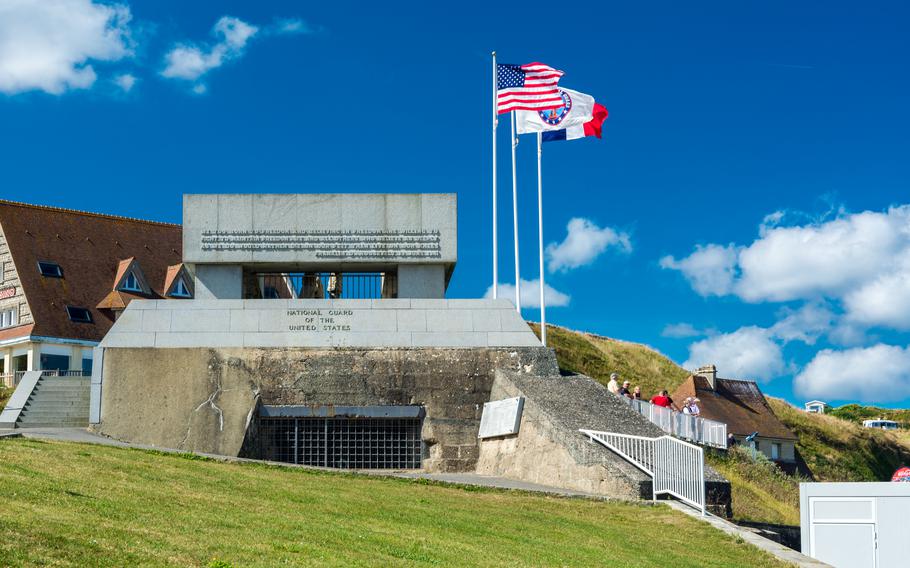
[613, 385]
[636, 393]
[624, 390]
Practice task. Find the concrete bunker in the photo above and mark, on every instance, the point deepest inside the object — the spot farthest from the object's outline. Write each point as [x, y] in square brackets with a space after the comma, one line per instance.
[374, 382]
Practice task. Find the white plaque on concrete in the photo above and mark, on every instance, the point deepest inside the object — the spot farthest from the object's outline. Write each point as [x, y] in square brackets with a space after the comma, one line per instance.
[501, 417]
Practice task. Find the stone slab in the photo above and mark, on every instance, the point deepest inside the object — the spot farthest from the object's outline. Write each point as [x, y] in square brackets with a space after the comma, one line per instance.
[320, 323]
[501, 417]
[314, 229]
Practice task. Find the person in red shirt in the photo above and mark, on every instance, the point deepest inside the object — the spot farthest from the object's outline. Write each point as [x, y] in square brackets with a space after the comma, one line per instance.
[663, 399]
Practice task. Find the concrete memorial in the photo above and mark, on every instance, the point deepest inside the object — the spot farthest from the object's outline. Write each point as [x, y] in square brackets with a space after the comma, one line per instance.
[320, 335]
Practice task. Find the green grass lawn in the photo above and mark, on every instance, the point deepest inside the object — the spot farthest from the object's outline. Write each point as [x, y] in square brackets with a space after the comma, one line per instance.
[597, 357]
[83, 505]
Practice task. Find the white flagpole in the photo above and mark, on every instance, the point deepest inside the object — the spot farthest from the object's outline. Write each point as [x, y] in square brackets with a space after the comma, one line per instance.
[543, 307]
[495, 237]
[515, 216]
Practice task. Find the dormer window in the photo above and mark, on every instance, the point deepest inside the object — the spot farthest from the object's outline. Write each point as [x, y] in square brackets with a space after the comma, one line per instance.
[50, 269]
[180, 290]
[131, 283]
[79, 315]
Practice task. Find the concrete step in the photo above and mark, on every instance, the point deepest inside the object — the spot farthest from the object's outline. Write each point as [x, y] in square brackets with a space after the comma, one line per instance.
[58, 424]
[53, 415]
[61, 388]
[38, 404]
[55, 401]
[59, 396]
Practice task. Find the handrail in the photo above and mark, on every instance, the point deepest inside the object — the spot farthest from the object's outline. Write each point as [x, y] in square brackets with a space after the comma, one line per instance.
[12, 379]
[676, 467]
[693, 428]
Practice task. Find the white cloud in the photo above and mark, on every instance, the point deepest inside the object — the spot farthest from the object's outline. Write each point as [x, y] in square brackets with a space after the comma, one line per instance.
[805, 324]
[530, 294]
[884, 301]
[49, 45]
[859, 261]
[291, 26]
[584, 242]
[710, 270]
[880, 373]
[822, 259]
[680, 330]
[191, 61]
[747, 353]
[126, 82]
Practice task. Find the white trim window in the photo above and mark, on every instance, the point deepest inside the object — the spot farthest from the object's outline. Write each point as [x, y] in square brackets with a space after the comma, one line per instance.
[9, 318]
[180, 290]
[131, 283]
[775, 451]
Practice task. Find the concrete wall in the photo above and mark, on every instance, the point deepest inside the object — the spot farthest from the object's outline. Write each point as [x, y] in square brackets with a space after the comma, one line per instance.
[421, 281]
[203, 399]
[384, 228]
[218, 282]
[320, 323]
[550, 450]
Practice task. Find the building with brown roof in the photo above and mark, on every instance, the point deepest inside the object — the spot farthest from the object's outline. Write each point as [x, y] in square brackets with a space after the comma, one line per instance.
[743, 408]
[65, 276]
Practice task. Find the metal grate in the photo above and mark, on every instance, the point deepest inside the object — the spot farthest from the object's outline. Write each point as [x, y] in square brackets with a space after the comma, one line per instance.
[327, 285]
[348, 443]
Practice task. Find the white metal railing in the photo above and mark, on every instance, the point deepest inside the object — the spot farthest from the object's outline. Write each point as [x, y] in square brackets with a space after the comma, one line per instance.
[693, 428]
[11, 380]
[676, 467]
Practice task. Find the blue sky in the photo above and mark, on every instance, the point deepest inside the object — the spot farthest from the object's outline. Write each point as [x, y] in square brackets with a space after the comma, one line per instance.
[747, 205]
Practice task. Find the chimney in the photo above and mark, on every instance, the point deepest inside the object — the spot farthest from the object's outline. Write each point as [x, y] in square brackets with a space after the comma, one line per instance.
[709, 372]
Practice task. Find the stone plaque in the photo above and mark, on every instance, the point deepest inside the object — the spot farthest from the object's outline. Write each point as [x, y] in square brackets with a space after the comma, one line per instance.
[501, 417]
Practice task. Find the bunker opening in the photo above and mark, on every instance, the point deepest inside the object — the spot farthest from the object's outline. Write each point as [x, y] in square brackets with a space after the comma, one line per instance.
[380, 437]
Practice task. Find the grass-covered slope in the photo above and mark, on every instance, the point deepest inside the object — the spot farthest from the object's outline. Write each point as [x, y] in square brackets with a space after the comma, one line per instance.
[761, 491]
[857, 413]
[597, 357]
[838, 450]
[80, 505]
[835, 449]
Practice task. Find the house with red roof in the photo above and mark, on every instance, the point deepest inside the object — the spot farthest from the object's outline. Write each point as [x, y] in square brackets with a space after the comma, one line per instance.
[66, 275]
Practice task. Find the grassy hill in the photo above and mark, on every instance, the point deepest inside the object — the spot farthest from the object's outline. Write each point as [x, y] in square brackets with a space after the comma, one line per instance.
[834, 448]
[839, 450]
[857, 413]
[597, 357]
[82, 505]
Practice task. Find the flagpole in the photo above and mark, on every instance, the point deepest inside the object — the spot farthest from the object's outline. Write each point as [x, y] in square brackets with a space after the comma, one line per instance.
[515, 216]
[495, 237]
[543, 307]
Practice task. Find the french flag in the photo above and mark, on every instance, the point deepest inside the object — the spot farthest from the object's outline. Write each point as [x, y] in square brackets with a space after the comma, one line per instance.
[591, 128]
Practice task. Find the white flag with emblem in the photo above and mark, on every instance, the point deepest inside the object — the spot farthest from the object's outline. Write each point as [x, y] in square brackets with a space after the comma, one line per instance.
[577, 109]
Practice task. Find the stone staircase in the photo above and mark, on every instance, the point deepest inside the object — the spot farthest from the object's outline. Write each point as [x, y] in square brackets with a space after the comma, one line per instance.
[57, 402]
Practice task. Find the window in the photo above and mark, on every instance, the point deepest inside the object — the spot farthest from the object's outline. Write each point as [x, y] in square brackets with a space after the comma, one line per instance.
[86, 367]
[50, 269]
[131, 284]
[180, 290]
[79, 315]
[51, 362]
[775, 451]
[8, 318]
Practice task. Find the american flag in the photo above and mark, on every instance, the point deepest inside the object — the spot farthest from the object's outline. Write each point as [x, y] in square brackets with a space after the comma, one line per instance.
[527, 87]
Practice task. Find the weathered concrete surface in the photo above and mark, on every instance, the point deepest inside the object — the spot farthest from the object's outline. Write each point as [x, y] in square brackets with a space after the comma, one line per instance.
[204, 399]
[549, 449]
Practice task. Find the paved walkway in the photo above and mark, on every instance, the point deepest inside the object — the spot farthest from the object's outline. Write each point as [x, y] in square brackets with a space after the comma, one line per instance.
[774, 548]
